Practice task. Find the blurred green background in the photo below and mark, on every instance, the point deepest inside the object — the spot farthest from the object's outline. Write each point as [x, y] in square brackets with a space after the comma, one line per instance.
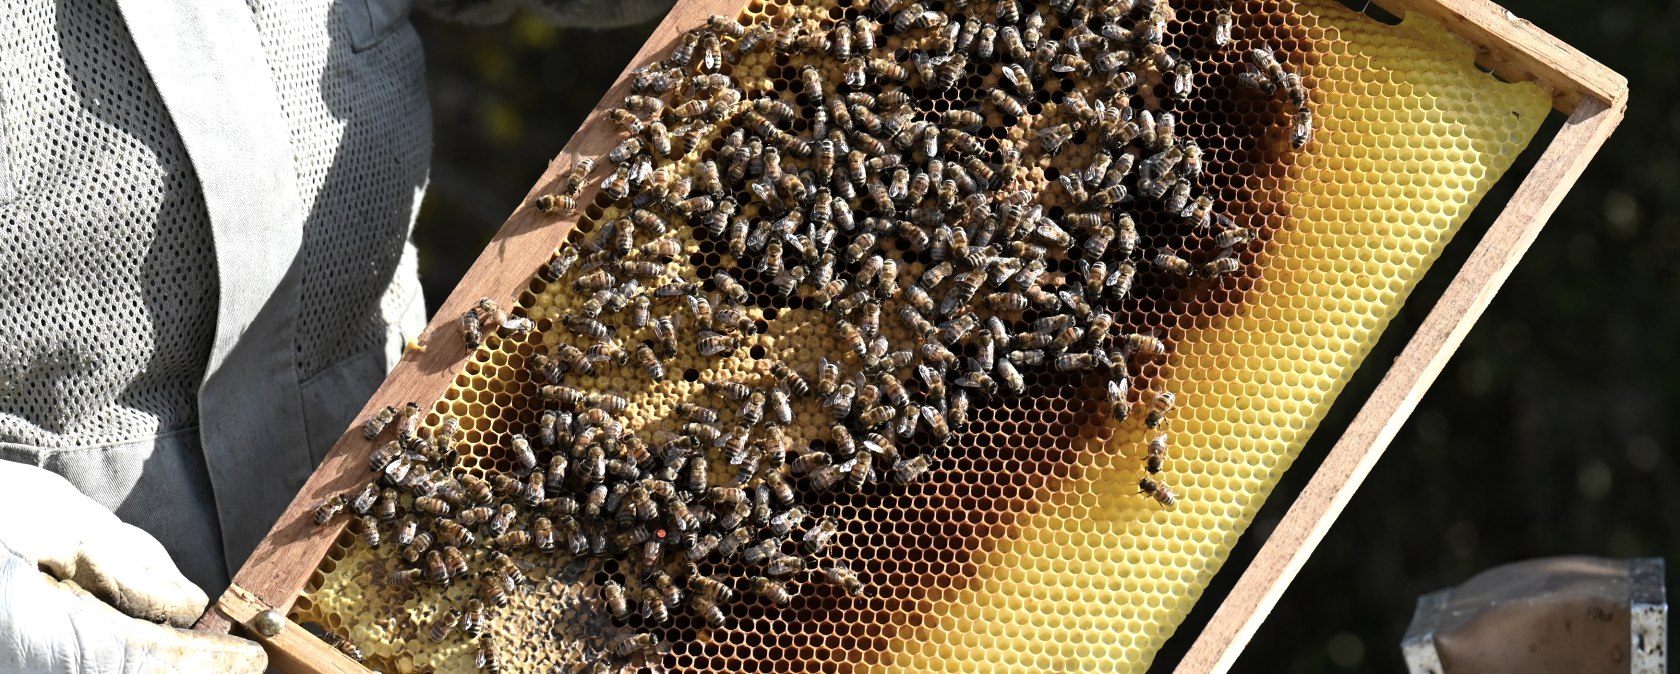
[1547, 434]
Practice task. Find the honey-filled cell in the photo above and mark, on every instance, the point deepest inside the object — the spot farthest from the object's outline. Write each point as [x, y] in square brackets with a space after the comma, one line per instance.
[787, 230]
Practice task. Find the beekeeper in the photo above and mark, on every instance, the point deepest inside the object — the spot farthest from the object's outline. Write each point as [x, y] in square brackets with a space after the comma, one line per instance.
[204, 219]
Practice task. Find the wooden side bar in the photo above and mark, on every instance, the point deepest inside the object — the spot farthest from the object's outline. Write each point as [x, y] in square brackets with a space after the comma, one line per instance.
[292, 650]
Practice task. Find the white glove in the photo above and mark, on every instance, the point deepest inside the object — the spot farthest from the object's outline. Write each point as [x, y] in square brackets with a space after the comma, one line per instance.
[83, 592]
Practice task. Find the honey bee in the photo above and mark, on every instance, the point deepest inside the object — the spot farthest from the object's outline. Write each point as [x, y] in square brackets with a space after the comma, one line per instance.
[329, 509]
[542, 534]
[377, 423]
[701, 546]
[472, 328]
[612, 594]
[1233, 237]
[817, 537]
[422, 541]
[560, 505]
[787, 37]
[370, 531]
[708, 610]
[572, 181]
[1141, 344]
[653, 606]
[857, 470]
[508, 570]
[503, 519]
[809, 461]
[877, 415]
[825, 477]
[847, 579]
[907, 471]
[451, 532]
[1302, 133]
[785, 521]
[514, 539]
[682, 519]
[1161, 404]
[604, 351]
[632, 644]
[595, 500]
[771, 590]
[488, 660]
[1157, 453]
[1157, 491]
[616, 186]
[553, 204]
[405, 577]
[443, 626]
[472, 620]
[1009, 377]
[612, 403]
[1173, 264]
[1074, 361]
[733, 542]
[474, 516]
[711, 54]
[1222, 23]
[754, 36]
[886, 69]
[409, 423]
[697, 413]
[624, 118]
[683, 53]
[585, 327]
[729, 286]
[706, 433]
[1258, 79]
[406, 530]
[697, 476]
[436, 570]
[1223, 265]
[343, 645]
[524, 457]
[364, 500]
[650, 362]
[704, 585]
[593, 466]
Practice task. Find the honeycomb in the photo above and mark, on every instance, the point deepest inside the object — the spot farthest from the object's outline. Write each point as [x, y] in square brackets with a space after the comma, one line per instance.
[1028, 547]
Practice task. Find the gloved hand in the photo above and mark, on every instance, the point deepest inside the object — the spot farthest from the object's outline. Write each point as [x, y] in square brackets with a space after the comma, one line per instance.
[81, 591]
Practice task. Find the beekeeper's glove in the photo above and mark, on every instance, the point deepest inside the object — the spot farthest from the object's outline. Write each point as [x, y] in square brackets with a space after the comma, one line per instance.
[82, 592]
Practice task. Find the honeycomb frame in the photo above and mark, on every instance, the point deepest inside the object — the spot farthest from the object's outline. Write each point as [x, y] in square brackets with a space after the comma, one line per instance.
[281, 568]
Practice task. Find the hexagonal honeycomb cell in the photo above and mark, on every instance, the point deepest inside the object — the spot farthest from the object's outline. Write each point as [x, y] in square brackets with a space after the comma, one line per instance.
[1027, 547]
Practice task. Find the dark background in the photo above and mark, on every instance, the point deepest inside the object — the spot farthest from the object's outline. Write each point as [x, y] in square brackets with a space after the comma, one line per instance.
[1547, 434]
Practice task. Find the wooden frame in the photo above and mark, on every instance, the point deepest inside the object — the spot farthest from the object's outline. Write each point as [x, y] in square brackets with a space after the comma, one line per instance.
[1593, 97]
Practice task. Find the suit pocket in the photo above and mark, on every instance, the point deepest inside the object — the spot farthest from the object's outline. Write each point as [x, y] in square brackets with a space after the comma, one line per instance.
[371, 21]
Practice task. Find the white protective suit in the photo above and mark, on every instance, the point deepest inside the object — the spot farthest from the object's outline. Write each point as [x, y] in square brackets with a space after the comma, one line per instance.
[204, 219]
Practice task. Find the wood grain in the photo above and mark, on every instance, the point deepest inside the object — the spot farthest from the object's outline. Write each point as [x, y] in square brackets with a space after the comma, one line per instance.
[1518, 50]
[294, 650]
[1351, 460]
[281, 565]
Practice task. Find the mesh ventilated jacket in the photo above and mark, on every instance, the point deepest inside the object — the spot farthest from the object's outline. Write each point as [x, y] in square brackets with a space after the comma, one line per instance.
[204, 216]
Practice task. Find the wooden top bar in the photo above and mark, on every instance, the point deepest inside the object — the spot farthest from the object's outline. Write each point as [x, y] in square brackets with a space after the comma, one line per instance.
[1518, 50]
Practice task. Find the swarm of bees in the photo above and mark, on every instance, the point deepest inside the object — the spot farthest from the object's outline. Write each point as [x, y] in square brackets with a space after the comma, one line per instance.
[846, 193]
